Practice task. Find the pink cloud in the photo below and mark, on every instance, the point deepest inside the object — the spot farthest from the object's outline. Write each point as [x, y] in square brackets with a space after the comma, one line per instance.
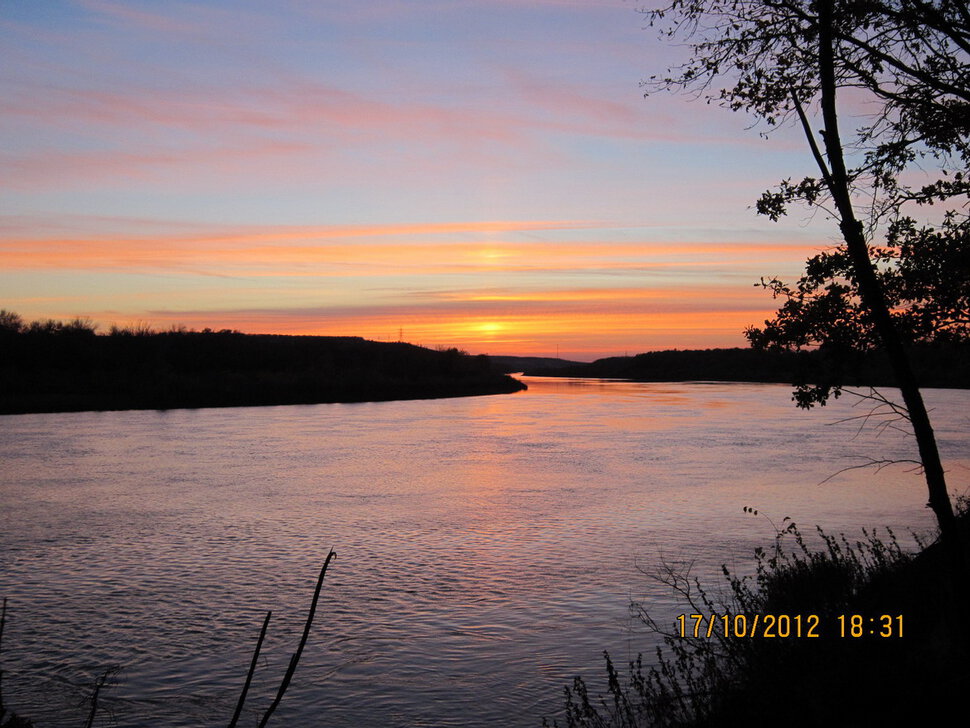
[51, 167]
[129, 16]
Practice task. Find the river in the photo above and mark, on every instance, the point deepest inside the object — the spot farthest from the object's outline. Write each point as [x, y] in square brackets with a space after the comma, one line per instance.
[488, 548]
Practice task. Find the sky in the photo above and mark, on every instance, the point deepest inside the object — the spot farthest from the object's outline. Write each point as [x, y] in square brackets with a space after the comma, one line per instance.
[484, 174]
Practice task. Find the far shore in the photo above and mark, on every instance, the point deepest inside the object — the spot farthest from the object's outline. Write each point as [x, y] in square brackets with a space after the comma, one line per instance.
[72, 369]
[945, 366]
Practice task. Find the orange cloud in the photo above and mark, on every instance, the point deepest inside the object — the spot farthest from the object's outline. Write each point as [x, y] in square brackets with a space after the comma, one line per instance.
[367, 250]
[582, 321]
[470, 284]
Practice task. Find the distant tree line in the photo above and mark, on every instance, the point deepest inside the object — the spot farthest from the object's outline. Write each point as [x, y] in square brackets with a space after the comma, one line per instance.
[942, 364]
[52, 366]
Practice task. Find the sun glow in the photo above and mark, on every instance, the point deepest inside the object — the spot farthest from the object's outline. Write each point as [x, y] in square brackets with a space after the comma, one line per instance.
[587, 335]
[489, 327]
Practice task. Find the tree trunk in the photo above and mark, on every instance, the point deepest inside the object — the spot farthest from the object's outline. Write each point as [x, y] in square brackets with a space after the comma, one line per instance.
[870, 290]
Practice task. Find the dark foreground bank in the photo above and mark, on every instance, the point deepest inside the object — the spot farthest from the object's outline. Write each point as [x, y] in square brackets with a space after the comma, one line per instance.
[851, 634]
[70, 368]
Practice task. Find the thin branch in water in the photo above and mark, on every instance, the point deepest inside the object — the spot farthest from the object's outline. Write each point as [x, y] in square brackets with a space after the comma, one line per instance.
[105, 679]
[299, 650]
[3, 621]
[252, 670]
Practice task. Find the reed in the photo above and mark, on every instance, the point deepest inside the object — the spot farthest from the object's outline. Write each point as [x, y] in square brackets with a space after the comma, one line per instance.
[851, 669]
[9, 719]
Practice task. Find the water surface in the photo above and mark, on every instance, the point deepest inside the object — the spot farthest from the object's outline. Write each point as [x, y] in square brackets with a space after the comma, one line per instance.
[487, 547]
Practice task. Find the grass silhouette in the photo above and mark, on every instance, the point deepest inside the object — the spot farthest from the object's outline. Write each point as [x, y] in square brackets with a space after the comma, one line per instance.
[841, 671]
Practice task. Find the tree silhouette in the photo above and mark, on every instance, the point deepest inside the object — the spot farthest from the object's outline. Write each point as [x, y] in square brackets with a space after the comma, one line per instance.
[788, 60]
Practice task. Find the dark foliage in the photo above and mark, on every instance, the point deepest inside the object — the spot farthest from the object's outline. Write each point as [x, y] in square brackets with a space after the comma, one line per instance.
[511, 364]
[941, 364]
[908, 59]
[831, 680]
[53, 367]
[925, 276]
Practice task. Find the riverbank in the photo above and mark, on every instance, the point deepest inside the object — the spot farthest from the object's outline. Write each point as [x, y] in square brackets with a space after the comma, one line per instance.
[942, 366]
[857, 633]
[73, 369]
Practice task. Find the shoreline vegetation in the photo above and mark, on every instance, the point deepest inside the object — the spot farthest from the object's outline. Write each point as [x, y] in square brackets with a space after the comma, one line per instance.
[937, 365]
[860, 633]
[53, 366]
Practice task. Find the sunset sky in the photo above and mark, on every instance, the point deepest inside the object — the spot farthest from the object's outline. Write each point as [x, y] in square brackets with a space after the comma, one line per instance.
[475, 173]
